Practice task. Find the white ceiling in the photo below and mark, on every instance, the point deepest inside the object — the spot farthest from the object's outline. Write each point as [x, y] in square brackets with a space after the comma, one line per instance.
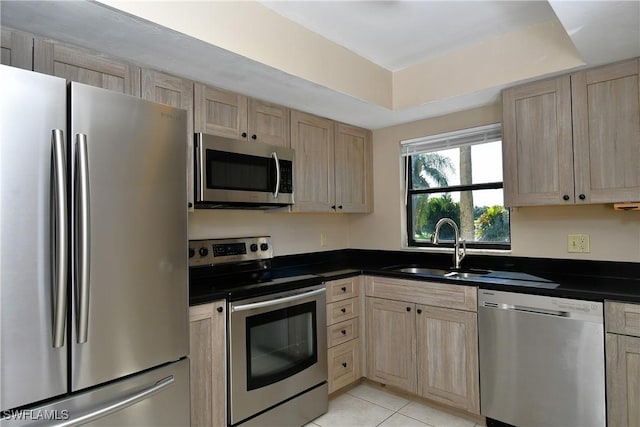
[398, 34]
[393, 34]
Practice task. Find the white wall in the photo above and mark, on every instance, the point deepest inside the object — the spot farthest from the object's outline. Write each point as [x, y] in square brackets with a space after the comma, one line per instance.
[291, 233]
[535, 231]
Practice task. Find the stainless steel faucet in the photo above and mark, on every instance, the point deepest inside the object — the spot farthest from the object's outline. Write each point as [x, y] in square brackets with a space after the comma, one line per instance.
[458, 254]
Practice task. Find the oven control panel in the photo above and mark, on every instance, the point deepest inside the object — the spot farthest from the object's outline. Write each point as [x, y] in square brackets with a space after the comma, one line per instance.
[219, 251]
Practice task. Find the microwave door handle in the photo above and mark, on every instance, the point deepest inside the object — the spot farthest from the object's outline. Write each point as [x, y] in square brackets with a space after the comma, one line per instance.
[274, 156]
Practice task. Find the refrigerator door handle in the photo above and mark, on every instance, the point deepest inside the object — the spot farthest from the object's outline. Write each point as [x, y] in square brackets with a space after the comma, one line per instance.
[119, 405]
[83, 238]
[59, 240]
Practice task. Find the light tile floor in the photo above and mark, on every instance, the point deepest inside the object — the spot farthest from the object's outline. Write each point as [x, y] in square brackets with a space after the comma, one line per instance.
[367, 406]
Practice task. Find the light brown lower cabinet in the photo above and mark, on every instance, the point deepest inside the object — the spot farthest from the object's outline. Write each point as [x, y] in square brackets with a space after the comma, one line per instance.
[207, 351]
[623, 364]
[428, 350]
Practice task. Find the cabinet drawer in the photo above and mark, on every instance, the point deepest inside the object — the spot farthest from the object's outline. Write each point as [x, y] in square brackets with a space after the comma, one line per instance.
[338, 290]
[342, 310]
[344, 364]
[342, 332]
[427, 293]
[622, 318]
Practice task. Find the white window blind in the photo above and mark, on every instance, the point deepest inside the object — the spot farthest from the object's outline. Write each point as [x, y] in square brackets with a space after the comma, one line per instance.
[460, 138]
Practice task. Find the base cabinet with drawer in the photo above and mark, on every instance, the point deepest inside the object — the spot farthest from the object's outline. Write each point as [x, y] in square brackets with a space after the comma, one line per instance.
[207, 351]
[343, 332]
[622, 323]
[422, 338]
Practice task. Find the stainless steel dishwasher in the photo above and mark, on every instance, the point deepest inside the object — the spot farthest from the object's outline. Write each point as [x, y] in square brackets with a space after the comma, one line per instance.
[541, 360]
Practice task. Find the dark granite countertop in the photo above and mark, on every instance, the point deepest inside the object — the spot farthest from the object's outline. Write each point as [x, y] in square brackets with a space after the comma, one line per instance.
[589, 280]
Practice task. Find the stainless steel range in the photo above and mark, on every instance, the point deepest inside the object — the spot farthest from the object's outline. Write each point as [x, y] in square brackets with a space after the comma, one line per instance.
[276, 329]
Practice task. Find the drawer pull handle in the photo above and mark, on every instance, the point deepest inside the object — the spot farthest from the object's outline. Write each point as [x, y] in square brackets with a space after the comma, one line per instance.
[408, 308]
[344, 310]
[344, 289]
[419, 311]
[344, 332]
[344, 365]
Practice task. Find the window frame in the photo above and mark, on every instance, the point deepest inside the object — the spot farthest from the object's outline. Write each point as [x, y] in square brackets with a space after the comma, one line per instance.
[409, 192]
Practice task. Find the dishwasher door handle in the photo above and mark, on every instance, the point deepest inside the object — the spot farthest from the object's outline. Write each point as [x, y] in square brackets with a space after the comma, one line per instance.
[525, 309]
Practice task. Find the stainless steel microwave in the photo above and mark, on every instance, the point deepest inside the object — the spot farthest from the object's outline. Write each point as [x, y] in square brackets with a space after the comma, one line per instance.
[239, 174]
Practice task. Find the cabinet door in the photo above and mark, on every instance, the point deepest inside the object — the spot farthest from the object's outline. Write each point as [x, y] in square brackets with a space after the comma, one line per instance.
[218, 112]
[16, 49]
[268, 123]
[207, 327]
[391, 343]
[353, 162]
[175, 92]
[606, 133]
[537, 144]
[448, 357]
[623, 380]
[312, 138]
[83, 66]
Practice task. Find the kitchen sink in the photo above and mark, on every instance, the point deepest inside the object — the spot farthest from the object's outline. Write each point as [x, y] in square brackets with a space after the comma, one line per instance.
[467, 274]
[421, 270]
[459, 274]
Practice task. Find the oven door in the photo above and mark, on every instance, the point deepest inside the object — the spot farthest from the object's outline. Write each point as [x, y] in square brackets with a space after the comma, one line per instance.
[230, 172]
[278, 349]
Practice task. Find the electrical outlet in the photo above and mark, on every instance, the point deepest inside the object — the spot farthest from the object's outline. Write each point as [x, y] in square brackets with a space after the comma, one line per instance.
[323, 239]
[578, 243]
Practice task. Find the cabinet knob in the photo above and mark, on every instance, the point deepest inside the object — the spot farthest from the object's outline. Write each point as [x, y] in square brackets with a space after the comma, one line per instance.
[344, 365]
[190, 205]
[340, 207]
[408, 308]
[344, 289]
[565, 197]
[254, 137]
[344, 332]
[419, 311]
[244, 134]
[333, 207]
[219, 309]
[582, 197]
[344, 310]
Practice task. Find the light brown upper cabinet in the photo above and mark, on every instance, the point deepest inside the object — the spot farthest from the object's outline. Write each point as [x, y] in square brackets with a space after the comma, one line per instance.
[606, 133]
[573, 139]
[353, 162]
[333, 165]
[84, 66]
[228, 114]
[175, 92]
[537, 143]
[16, 49]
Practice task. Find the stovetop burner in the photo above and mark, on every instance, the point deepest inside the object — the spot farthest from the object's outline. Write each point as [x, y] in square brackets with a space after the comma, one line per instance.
[236, 269]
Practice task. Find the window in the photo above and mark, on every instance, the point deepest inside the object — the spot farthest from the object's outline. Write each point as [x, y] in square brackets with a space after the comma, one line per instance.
[457, 175]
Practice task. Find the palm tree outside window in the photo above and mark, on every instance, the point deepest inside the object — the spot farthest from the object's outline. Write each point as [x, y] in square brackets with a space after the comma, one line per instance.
[457, 175]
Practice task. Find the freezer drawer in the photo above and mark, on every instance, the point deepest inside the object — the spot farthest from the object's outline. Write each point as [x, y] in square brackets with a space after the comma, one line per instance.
[159, 397]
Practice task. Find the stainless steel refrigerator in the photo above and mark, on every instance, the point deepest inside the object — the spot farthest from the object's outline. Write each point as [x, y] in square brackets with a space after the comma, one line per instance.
[93, 264]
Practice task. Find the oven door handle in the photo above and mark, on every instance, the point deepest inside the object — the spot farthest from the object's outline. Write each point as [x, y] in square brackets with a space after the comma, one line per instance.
[269, 303]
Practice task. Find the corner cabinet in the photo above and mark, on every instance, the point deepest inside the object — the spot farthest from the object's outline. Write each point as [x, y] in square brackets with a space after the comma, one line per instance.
[84, 66]
[574, 139]
[207, 351]
[231, 115]
[333, 165]
[175, 92]
[16, 49]
[622, 323]
[422, 338]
